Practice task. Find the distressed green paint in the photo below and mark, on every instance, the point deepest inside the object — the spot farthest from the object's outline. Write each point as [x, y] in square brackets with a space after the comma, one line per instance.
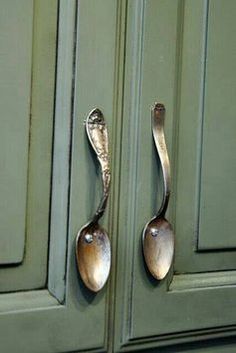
[13, 303]
[32, 272]
[61, 150]
[218, 179]
[128, 54]
[80, 324]
[189, 184]
[16, 26]
[164, 51]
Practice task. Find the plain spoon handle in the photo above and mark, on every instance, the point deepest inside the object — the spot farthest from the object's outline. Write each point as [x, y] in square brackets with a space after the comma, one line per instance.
[158, 117]
[96, 128]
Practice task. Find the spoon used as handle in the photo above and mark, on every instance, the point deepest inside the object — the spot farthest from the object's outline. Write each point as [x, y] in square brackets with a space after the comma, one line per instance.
[158, 235]
[93, 249]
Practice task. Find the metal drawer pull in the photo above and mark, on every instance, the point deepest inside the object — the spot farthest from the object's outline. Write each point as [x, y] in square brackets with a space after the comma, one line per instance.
[158, 235]
[93, 250]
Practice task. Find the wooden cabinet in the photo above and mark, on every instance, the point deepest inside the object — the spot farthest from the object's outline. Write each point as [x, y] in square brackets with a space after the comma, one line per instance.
[58, 61]
[176, 53]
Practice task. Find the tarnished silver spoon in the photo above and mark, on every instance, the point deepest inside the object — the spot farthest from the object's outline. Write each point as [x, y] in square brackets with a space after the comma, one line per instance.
[93, 250]
[158, 235]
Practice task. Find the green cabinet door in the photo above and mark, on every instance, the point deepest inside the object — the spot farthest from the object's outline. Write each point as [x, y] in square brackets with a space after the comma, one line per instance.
[180, 53]
[58, 61]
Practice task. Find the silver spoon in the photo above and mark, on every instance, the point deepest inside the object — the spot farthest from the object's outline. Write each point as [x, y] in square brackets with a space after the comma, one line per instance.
[93, 250]
[158, 235]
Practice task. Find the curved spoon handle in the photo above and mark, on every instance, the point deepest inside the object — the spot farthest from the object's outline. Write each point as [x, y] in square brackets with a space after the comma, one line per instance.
[97, 133]
[158, 117]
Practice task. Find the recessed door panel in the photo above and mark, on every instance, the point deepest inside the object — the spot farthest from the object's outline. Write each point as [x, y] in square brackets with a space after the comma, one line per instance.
[16, 27]
[202, 177]
[27, 66]
[217, 229]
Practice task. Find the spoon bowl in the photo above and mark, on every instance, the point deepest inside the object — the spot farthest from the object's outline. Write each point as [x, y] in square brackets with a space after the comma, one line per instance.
[93, 253]
[158, 246]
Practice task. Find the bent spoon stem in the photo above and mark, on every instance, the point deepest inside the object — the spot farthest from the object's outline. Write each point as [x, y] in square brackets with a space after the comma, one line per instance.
[158, 235]
[158, 116]
[98, 136]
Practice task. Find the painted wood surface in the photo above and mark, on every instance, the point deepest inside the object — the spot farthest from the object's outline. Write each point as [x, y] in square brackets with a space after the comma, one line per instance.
[64, 316]
[32, 271]
[16, 26]
[189, 181]
[218, 175]
[164, 50]
[120, 56]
